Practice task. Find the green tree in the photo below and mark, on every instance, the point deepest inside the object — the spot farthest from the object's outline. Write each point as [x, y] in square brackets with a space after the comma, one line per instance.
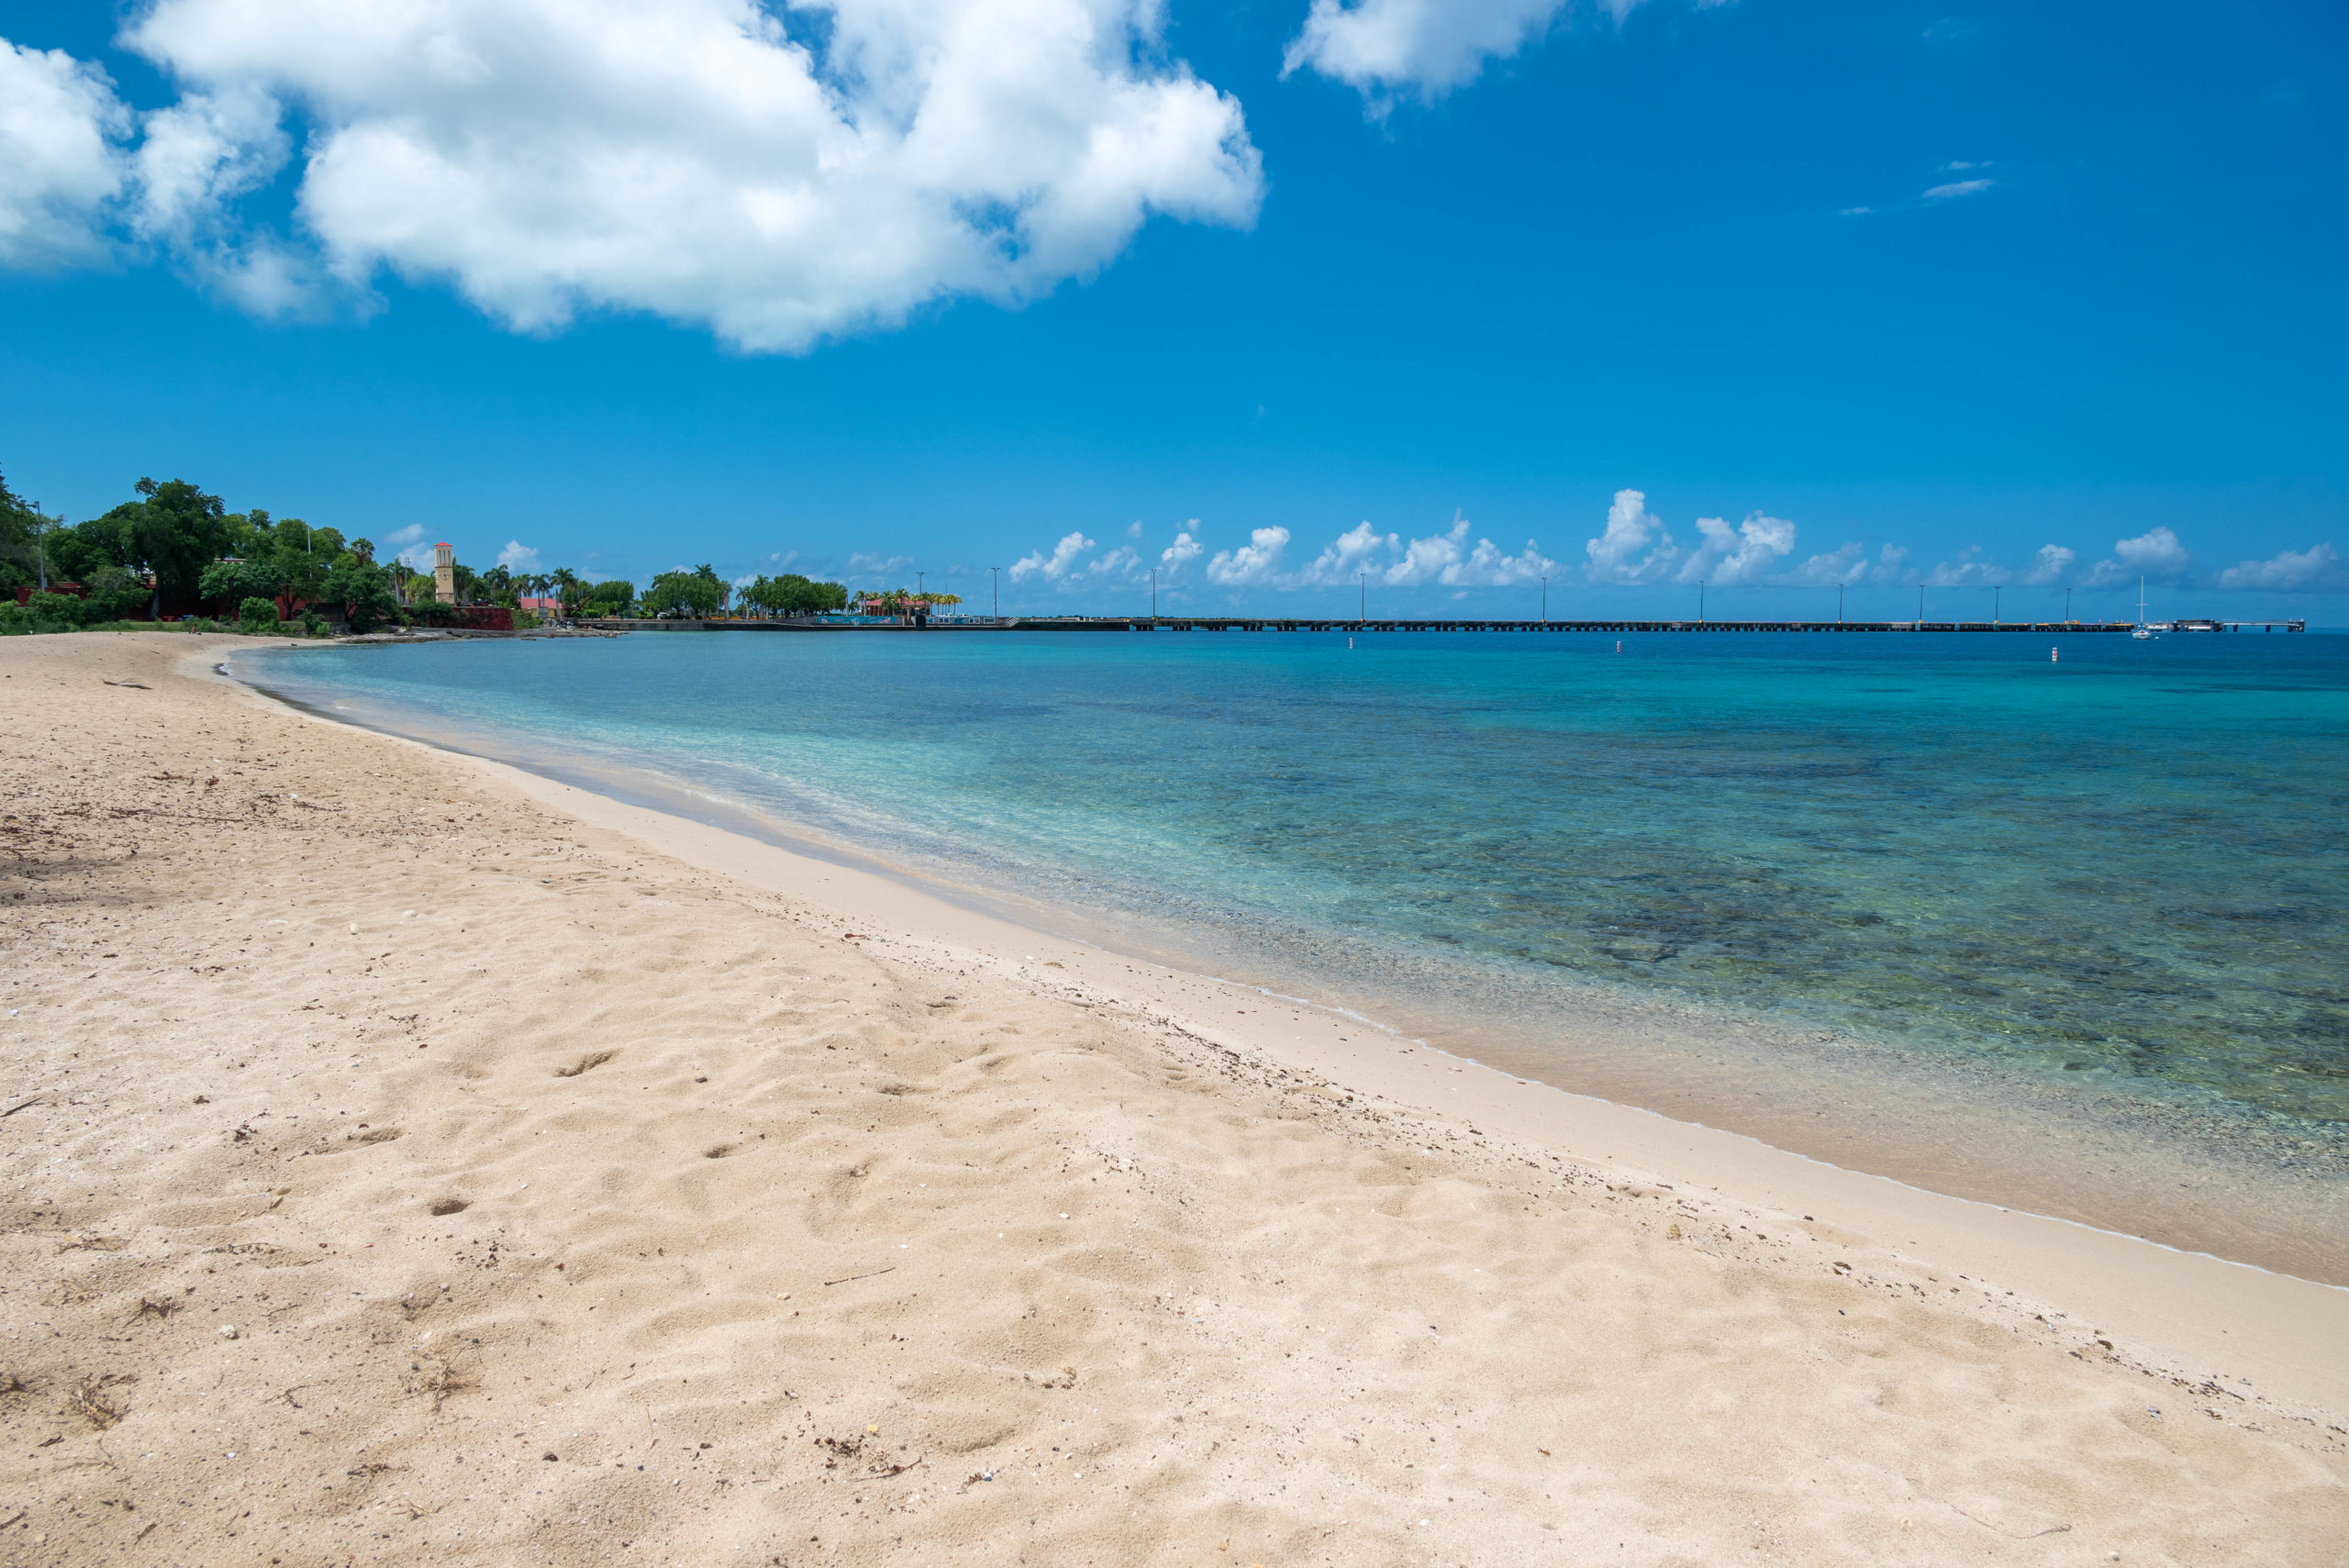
[792, 594]
[498, 586]
[172, 534]
[568, 588]
[250, 534]
[363, 591]
[113, 592]
[695, 592]
[21, 528]
[257, 615]
[608, 598]
[18, 517]
[233, 582]
[81, 550]
[55, 612]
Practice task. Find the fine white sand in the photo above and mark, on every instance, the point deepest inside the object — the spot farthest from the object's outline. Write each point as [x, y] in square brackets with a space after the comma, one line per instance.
[407, 1159]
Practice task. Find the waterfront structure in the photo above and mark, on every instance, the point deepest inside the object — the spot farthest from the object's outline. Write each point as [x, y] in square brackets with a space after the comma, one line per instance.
[444, 573]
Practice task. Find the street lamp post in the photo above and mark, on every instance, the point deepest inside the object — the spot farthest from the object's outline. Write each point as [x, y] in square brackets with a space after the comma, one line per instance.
[1920, 606]
[1546, 601]
[1994, 604]
[1839, 603]
[1701, 603]
[995, 574]
[1153, 595]
[1362, 606]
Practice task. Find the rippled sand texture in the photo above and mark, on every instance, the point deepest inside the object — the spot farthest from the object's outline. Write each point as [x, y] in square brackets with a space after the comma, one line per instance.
[396, 1171]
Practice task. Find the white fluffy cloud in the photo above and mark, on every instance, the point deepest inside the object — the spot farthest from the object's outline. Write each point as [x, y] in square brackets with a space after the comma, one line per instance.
[1637, 548]
[1349, 556]
[1956, 188]
[2319, 566]
[1743, 555]
[517, 557]
[1055, 566]
[60, 166]
[1445, 557]
[2156, 553]
[1969, 568]
[1256, 561]
[1186, 549]
[2050, 565]
[194, 163]
[1847, 567]
[692, 159]
[1424, 47]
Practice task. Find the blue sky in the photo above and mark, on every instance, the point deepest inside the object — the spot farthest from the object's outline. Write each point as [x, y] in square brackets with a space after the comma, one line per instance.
[1266, 296]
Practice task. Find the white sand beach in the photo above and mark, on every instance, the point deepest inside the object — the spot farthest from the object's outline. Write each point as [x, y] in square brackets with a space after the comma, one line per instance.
[409, 1158]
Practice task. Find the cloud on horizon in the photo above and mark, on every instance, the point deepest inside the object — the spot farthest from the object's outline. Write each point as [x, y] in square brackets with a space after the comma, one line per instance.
[2316, 568]
[2155, 554]
[1636, 548]
[1258, 561]
[695, 162]
[1848, 566]
[2050, 565]
[1056, 565]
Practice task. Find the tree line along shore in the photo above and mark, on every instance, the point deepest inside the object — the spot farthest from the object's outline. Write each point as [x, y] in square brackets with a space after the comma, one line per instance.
[175, 553]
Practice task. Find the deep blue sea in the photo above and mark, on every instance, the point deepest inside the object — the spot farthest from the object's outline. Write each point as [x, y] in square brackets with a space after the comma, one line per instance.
[2132, 862]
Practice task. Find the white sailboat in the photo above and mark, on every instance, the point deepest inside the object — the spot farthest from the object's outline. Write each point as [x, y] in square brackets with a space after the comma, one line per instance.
[2144, 632]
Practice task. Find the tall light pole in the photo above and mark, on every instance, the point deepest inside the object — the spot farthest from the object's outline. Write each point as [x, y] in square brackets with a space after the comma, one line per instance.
[1361, 608]
[1153, 595]
[1920, 606]
[1994, 604]
[1546, 601]
[995, 572]
[1701, 603]
[1839, 603]
[2068, 606]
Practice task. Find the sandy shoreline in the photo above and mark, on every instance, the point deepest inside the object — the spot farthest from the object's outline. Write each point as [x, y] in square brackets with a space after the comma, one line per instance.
[1119, 1263]
[2201, 1176]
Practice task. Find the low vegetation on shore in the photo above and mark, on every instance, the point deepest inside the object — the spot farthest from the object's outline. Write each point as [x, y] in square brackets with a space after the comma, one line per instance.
[176, 553]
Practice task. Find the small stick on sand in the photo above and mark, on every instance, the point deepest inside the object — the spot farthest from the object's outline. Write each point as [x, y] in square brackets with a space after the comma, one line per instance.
[875, 1274]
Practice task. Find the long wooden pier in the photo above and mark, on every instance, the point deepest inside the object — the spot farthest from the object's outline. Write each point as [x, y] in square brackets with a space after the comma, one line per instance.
[1325, 623]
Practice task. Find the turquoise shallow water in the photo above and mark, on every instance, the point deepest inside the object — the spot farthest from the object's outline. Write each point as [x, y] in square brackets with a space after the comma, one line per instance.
[2132, 864]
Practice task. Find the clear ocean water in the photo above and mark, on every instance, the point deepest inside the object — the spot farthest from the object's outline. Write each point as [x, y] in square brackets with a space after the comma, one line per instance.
[2132, 862]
